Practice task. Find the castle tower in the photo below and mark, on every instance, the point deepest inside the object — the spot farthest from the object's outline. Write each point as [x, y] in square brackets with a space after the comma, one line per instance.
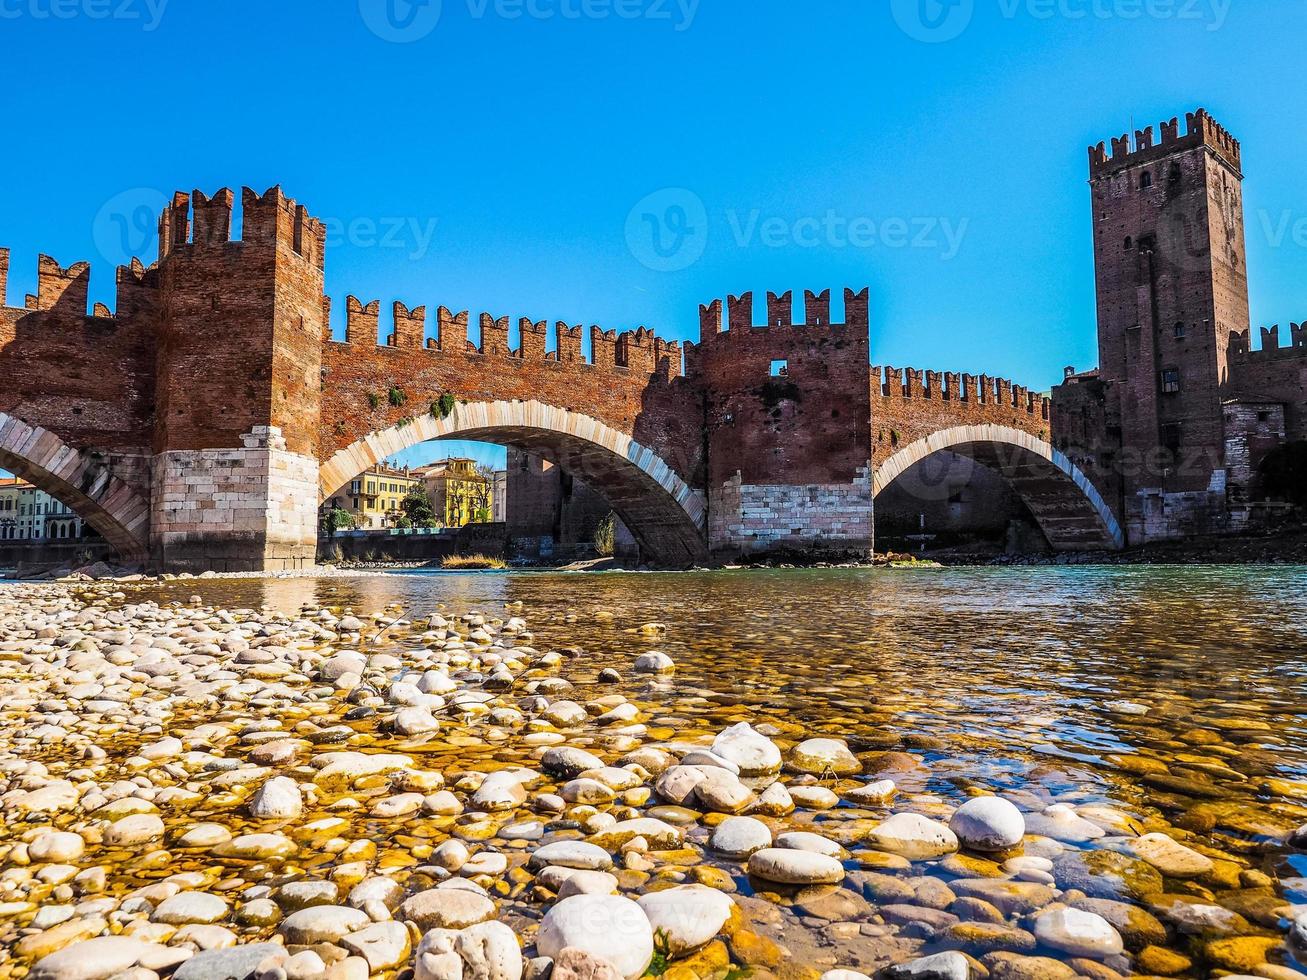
[238, 389]
[1171, 287]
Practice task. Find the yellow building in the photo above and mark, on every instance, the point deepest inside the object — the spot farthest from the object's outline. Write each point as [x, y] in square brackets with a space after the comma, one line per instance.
[459, 493]
[373, 497]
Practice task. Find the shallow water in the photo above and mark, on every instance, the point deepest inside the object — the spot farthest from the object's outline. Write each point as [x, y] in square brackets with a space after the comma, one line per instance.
[1175, 694]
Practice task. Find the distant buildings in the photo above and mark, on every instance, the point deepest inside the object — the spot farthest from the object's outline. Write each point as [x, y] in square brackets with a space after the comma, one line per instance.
[373, 497]
[29, 514]
[460, 493]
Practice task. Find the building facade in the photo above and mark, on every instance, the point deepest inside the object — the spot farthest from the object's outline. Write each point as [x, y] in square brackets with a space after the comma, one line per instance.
[460, 494]
[1175, 424]
[373, 498]
[31, 515]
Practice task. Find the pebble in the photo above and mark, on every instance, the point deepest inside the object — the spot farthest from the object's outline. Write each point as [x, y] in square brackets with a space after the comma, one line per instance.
[914, 836]
[1078, 933]
[607, 927]
[795, 867]
[738, 837]
[988, 823]
[820, 756]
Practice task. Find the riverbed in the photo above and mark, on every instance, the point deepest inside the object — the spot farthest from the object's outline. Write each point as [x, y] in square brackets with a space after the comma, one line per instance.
[1111, 707]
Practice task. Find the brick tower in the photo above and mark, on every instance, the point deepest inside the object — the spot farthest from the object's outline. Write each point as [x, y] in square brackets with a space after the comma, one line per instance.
[1172, 287]
[238, 386]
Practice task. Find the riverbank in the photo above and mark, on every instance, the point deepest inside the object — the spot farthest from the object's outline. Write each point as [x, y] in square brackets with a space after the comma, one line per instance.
[202, 790]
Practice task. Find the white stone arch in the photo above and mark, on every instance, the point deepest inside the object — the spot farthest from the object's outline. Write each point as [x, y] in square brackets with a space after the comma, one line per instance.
[79, 479]
[1067, 506]
[666, 515]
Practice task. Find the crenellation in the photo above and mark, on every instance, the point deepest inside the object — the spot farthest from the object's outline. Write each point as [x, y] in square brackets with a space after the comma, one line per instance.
[780, 309]
[410, 326]
[494, 336]
[175, 224]
[4, 276]
[912, 383]
[362, 321]
[816, 308]
[451, 331]
[1202, 130]
[66, 289]
[710, 318]
[603, 347]
[952, 383]
[533, 335]
[739, 311]
[211, 217]
[568, 343]
[856, 308]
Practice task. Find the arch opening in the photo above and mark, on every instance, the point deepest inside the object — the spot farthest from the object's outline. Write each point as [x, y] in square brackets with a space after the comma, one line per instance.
[82, 481]
[1062, 501]
[665, 515]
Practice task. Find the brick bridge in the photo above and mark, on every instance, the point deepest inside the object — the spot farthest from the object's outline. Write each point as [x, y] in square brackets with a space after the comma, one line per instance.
[200, 423]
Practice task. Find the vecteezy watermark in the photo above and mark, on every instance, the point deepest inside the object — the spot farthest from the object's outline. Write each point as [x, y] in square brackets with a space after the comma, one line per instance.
[937, 21]
[932, 21]
[149, 13]
[127, 225]
[1282, 228]
[679, 13]
[405, 21]
[400, 21]
[667, 230]
[835, 230]
[413, 235]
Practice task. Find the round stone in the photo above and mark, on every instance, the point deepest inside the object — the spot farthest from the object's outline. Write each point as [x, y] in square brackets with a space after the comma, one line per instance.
[608, 927]
[187, 907]
[914, 836]
[572, 854]
[654, 663]
[56, 845]
[1078, 933]
[277, 799]
[755, 754]
[820, 756]
[738, 837]
[447, 908]
[688, 916]
[794, 867]
[322, 924]
[988, 823]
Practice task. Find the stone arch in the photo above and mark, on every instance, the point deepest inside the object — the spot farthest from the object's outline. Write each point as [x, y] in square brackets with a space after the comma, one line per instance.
[1066, 505]
[664, 513]
[79, 479]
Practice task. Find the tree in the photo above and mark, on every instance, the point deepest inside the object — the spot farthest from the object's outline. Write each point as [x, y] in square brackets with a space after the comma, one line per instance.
[480, 495]
[339, 519]
[416, 510]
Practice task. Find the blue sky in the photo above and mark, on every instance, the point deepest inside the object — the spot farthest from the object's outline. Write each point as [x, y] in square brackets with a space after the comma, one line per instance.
[518, 156]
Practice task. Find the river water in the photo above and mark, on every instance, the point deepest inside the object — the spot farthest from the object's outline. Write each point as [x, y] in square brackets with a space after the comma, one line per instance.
[1164, 698]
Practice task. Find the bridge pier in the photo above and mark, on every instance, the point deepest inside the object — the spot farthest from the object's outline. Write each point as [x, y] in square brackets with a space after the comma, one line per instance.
[230, 510]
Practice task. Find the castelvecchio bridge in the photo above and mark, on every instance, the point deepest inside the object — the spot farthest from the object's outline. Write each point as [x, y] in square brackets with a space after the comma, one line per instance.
[200, 423]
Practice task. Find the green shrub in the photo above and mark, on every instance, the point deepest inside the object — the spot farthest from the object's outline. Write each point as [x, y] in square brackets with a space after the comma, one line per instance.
[606, 536]
[396, 396]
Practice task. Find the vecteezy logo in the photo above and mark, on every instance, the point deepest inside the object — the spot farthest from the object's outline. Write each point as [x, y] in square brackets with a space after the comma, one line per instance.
[933, 21]
[668, 230]
[400, 21]
[127, 226]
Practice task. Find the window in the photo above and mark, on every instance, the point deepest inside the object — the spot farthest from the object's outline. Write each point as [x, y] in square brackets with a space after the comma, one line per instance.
[1178, 330]
[1174, 174]
[780, 369]
[1146, 179]
[1263, 416]
[1128, 244]
[1171, 437]
[1170, 381]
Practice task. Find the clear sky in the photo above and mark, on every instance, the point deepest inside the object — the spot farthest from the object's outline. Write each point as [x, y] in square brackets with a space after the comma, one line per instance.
[621, 161]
